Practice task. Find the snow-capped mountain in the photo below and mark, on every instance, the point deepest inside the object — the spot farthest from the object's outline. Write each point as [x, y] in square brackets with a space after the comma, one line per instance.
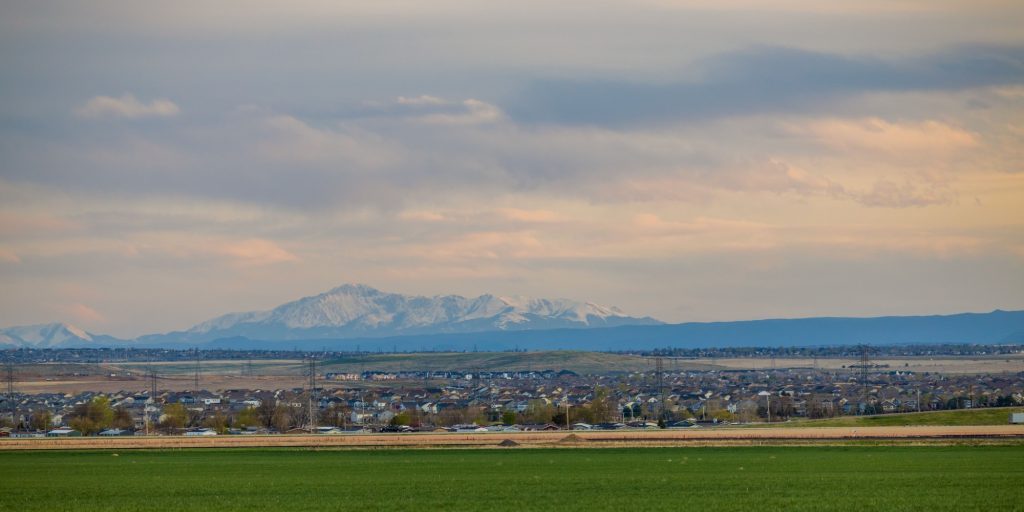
[362, 311]
[44, 336]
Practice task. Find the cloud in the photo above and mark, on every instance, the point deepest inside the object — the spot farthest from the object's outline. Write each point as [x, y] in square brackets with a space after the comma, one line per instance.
[764, 79]
[127, 107]
[8, 256]
[472, 112]
[29, 224]
[432, 110]
[530, 216]
[877, 134]
[423, 99]
[80, 313]
[887, 193]
[256, 252]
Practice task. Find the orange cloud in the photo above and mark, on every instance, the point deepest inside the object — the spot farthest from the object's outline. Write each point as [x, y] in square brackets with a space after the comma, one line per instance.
[533, 216]
[85, 314]
[880, 135]
[9, 256]
[257, 251]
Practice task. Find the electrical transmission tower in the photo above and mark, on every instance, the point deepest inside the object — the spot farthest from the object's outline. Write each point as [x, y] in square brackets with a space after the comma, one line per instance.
[195, 377]
[9, 377]
[863, 364]
[152, 384]
[152, 398]
[659, 365]
[312, 395]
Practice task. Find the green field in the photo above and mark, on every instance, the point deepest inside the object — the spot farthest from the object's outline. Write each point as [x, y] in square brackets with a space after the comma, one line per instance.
[750, 478]
[988, 416]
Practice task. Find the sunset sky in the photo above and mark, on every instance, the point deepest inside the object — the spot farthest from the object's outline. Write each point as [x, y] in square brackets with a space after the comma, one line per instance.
[164, 163]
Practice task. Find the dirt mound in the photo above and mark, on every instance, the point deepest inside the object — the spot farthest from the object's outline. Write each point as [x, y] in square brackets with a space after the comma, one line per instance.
[508, 443]
[571, 439]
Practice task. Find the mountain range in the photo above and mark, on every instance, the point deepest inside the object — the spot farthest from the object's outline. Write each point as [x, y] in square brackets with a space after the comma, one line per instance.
[351, 311]
[355, 316]
[55, 335]
[354, 310]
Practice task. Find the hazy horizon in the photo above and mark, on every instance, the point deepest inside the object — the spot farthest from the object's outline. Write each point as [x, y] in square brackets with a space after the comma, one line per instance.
[685, 160]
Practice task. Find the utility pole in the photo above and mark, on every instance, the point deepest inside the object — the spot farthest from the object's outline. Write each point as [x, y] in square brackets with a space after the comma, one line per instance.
[567, 411]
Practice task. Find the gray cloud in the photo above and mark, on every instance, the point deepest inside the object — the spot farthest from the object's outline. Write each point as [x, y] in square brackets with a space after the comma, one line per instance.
[765, 79]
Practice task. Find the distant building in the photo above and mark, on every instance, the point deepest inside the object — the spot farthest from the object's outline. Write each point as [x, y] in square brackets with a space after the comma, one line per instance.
[201, 432]
[112, 432]
[63, 432]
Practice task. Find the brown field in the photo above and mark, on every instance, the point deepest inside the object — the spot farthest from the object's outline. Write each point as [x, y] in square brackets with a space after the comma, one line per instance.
[176, 383]
[285, 374]
[723, 436]
[919, 364]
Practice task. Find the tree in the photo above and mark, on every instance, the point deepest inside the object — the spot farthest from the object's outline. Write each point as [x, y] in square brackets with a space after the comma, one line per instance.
[538, 411]
[93, 416]
[559, 419]
[175, 416]
[217, 421]
[41, 420]
[122, 419]
[266, 411]
[508, 418]
[282, 418]
[599, 409]
[402, 418]
[249, 418]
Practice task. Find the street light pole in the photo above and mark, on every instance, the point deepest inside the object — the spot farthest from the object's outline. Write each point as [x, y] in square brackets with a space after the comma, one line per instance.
[567, 412]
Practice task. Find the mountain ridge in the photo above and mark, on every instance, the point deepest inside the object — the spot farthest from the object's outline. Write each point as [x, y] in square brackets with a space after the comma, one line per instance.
[359, 310]
[353, 315]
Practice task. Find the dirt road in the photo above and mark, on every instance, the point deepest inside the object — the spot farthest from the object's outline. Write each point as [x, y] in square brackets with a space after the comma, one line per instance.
[556, 438]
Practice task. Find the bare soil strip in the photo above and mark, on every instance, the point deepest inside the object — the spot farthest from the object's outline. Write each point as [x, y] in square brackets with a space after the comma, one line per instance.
[526, 439]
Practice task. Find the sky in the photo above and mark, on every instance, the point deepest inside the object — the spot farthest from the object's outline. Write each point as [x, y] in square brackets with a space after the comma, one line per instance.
[165, 163]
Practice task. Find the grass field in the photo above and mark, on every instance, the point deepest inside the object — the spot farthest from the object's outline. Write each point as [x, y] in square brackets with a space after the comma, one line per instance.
[994, 416]
[753, 478]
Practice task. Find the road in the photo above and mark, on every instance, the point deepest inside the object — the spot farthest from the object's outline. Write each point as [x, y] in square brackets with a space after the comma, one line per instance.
[536, 439]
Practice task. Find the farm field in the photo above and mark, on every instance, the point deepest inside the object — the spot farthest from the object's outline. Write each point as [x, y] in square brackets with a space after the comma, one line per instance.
[959, 417]
[748, 478]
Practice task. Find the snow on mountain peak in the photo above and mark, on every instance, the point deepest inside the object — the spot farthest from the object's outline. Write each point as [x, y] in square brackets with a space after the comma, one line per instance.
[43, 335]
[361, 310]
